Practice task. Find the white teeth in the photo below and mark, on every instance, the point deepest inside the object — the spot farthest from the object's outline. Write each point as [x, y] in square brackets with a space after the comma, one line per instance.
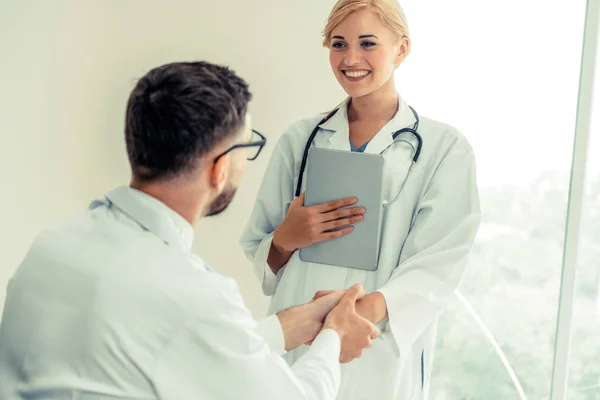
[356, 74]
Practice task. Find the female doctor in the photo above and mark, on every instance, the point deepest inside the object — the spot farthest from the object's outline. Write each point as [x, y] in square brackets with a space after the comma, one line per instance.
[429, 222]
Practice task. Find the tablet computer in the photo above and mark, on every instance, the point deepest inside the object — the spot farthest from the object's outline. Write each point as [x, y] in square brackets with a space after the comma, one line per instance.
[337, 174]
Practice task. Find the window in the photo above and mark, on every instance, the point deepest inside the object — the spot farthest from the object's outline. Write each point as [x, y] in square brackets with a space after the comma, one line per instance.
[506, 74]
[584, 363]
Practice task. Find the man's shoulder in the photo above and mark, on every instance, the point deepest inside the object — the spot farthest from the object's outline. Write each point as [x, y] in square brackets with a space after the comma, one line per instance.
[121, 259]
[214, 298]
[191, 277]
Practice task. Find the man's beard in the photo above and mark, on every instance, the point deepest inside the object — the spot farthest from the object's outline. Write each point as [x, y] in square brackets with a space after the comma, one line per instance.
[221, 202]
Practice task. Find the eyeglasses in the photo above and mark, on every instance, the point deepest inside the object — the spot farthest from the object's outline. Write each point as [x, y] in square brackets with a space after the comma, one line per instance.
[253, 147]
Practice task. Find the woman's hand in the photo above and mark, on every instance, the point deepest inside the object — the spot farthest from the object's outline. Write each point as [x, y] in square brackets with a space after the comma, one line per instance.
[304, 226]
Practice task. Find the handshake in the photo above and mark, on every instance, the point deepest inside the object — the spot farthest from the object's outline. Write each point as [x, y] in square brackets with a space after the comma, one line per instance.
[330, 310]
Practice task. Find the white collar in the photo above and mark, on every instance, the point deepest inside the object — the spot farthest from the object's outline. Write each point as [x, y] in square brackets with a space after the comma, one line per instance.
[152, 215]
[338, 124]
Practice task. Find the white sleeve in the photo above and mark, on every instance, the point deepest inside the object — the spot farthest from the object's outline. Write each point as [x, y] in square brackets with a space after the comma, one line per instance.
[436, 249]
[218, 354]
[271, 331]
[323, 355]
[275, 194]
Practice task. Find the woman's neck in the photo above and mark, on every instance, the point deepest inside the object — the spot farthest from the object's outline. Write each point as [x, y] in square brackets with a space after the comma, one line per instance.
[380, 105]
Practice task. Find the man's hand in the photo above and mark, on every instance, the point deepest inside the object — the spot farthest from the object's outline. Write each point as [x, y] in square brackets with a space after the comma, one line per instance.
[301, 324]
[333, 295]
[371, 306]
[356, 333]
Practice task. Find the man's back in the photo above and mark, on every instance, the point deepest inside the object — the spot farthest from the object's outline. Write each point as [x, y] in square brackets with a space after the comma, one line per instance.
[91, 307]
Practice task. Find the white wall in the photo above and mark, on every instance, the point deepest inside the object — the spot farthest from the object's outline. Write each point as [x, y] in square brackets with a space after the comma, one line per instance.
[67, 68]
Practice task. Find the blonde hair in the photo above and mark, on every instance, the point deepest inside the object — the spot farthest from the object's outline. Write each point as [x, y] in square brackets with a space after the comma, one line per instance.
[389, 11]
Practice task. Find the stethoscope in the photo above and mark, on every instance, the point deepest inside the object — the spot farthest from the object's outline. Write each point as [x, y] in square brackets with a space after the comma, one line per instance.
[412, 130]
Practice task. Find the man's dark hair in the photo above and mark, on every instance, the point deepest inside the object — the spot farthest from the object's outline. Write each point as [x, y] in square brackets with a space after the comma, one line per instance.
[177, 113]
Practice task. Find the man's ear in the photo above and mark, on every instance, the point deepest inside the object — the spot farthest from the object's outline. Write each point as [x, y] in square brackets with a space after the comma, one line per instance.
[218, 173]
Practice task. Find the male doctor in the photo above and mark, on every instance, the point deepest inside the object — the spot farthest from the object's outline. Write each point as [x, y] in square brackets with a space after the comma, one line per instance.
[111, 304]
